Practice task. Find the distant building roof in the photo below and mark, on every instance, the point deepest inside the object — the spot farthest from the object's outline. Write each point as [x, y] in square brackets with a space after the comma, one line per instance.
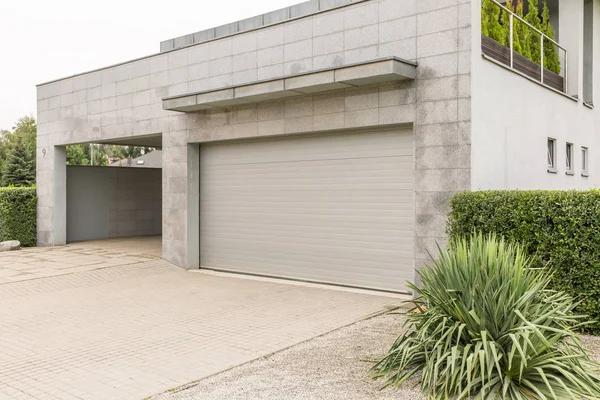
[150, 160]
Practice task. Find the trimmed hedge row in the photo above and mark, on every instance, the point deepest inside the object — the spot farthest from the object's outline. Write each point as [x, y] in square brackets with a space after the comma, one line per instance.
[18, 215]
[560, 229]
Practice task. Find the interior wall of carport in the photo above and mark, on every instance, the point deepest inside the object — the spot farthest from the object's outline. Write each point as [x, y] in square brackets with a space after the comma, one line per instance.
[113, 202]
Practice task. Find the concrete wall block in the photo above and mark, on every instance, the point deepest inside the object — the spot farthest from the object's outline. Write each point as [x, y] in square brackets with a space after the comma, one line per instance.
[426, 247]
[329, 103]
[362, 98]
[268, 111]
[167, 45]
[326, 122]
[203, 36]
[220, 66]
[183, 41]
[271, 127]
[304, 9]
[124, 87]
[270, 56]
[361, 37]
[437, 89]
[178, 75]
[464, 15]
[227, 29]
[328, 4]
[433, 203]
[361, 15]
[403, 114]
[297, 67]
[276, 16]
[361, 118]
[328, 61]
[361, 55]
[220, 48]
[197, 54]
[438, 66]
[464, 86]
[244, 77]
[328, 23]
[250, 24]
[244, 43]
[398, 29]
[437, 135]
[437, 43]
[431, 225]
[437, 180]
[298, 50]
[299, 124]
[442, 157]
[298, 107]
[298, 30]
[245, 61]
[464, 109]
[393, 9]
[424, 6]
[332, 43]
[464, 39]
[438, 20]
[269, 37]
[437, 112]
[395, 94]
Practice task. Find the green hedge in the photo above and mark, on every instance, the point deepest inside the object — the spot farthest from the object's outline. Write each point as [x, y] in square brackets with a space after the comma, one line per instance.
[560, 229]
[18, 215]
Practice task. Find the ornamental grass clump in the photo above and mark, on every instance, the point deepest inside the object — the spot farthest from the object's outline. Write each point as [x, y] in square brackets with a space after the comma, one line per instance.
[486, 326]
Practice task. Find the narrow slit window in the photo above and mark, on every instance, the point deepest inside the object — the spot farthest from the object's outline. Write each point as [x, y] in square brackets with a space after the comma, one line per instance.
[551, 155]
[584, 161]
[569, 158]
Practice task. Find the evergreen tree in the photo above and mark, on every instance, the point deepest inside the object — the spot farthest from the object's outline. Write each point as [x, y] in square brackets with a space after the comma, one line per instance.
[490, 23]
[19, 169]
[534, 39]
[506, 22]
[551, 59]
[522, 31]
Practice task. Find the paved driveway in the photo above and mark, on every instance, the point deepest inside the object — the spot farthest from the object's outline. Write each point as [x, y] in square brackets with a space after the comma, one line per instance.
[117, 322]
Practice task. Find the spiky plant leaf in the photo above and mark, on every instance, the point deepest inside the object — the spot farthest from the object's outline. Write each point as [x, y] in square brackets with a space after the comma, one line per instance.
[486, 326]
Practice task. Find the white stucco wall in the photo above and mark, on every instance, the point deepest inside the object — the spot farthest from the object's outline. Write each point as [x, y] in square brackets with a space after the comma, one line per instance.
[512, 118]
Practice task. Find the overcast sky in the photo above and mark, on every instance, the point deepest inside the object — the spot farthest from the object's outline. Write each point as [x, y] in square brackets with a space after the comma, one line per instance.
[43, 40]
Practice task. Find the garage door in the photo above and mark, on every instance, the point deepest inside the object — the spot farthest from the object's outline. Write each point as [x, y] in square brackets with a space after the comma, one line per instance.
[329, 208]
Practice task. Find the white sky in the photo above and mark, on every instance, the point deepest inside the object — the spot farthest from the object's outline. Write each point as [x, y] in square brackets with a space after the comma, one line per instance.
[43, 40]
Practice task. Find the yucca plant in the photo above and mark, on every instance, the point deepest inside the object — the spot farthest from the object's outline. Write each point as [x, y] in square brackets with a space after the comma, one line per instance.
[486, 326]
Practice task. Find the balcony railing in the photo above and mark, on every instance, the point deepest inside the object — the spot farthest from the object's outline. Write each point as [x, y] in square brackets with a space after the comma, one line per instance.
[524, 65]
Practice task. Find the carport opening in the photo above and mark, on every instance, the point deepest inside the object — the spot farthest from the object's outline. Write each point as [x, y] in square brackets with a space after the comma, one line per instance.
[114, 193]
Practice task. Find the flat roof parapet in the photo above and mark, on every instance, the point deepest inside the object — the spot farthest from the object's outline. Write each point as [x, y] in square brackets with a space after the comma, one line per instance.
[274, 17]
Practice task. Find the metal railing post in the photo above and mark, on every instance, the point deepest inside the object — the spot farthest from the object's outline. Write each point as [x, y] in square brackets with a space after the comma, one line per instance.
[566, 72]
[512, 44]
[542, 57]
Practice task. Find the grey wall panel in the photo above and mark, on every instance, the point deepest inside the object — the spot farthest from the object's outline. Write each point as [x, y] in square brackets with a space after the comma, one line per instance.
[107, 203]
[330, 208]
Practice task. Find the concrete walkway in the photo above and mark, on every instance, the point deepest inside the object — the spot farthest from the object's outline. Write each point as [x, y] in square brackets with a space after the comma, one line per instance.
[127, 325]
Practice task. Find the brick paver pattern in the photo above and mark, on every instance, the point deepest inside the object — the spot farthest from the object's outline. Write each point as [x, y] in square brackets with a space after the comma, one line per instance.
[88, 322]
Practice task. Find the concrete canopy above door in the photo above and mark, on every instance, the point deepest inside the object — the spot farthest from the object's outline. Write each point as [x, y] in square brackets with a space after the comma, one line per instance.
[373, 72]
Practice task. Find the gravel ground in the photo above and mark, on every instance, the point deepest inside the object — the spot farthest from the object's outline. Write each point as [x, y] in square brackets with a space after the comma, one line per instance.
[331, 366]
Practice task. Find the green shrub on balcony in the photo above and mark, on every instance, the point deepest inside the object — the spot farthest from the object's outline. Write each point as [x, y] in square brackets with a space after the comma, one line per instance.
[495, 24]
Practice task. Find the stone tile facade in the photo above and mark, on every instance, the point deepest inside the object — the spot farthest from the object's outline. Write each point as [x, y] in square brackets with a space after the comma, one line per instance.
[125, 100]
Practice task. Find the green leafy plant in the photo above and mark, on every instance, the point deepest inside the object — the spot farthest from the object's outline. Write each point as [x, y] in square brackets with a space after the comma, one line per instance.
[551, 59]
[522, 30]
[486, 326]
[490, 23]
[558, 229]
[18, 215]
[506, 22]
[532, 36]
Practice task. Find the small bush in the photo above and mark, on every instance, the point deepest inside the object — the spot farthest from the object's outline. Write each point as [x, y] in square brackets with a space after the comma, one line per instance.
[560, 229]
[486, 326]
[18, 215]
